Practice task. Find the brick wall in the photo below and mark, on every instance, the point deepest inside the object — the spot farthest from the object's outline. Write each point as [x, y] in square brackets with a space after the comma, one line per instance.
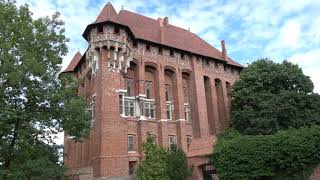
[106, 151]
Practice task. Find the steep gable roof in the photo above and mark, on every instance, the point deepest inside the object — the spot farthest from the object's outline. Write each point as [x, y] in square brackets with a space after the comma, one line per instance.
[74, 62]
[149, 29]
[108, 13]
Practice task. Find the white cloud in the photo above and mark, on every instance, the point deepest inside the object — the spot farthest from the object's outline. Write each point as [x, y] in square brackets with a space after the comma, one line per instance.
[289, 38]
[252, 29]
[310, 63]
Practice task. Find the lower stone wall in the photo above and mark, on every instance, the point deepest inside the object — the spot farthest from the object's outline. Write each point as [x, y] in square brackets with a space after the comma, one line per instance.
[84, 173]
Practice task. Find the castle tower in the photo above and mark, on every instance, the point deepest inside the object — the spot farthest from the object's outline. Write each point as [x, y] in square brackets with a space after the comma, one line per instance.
[143, 76]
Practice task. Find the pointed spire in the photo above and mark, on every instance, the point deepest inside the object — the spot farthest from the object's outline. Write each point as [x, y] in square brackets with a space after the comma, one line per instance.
[108, 13]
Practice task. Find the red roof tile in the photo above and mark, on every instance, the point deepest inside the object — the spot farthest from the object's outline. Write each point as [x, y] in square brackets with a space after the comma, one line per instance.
[107, 13]
[149, 29]
[74, 62]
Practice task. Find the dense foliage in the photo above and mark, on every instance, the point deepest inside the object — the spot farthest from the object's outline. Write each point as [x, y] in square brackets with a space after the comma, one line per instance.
[162, 164]
[275, 116]
[177, 164]
[35, 104]
[290, 154]
[273, 96]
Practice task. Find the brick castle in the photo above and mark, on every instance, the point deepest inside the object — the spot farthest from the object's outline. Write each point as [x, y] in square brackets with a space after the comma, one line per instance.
[140, 76]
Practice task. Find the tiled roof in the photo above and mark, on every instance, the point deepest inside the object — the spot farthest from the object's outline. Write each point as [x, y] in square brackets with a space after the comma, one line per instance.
[74, 62]
[108, 12]
[201, 146]
[149, 29]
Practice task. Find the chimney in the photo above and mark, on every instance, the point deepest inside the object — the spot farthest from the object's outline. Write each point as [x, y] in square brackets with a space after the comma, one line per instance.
[160, 22]
[166, 22]
[224, 50]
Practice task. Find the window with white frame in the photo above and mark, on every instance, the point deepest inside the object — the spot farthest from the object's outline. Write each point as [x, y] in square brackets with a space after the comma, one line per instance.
[187, 114]
[129, 106]
[149, 108]
[172, 141]
[169, 105]
[131, 143]
[126, 105]
[169, 109]
[127, 99]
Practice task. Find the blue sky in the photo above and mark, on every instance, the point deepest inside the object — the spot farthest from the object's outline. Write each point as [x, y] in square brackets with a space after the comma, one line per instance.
[252, 29]
[278, 29]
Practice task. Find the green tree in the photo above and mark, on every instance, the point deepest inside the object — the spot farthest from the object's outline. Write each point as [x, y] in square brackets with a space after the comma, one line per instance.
[273, 96]
[154, 165]
[177, 164]
[276, 119]
[286, 155]
[162, 164]
[35, 102]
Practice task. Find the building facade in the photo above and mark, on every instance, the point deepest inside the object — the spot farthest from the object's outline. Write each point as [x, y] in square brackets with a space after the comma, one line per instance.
[144, 76]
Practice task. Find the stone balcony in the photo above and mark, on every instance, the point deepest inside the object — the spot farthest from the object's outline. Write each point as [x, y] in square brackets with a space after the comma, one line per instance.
[111, 40]
[118, 48]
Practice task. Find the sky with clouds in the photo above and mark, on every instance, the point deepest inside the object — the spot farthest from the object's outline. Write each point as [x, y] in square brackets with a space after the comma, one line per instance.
[276, 29]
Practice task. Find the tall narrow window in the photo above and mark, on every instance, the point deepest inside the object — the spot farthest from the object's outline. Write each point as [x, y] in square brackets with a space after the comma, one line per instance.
[182, 55]
[169, 111]
[149, 108]
[121, 103]
[129, 107]
[171, 53]
[185, 94]
[189, 139]
[131, 143]
[148, 89]
[129, 86]
[116, 30]
[135, 43]
[172, 142]
[132, 166]
[169, 106]
[187, 112]
[168, 92]
[93, 108]
[100, 29]
[148, 47]
[160, 50]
